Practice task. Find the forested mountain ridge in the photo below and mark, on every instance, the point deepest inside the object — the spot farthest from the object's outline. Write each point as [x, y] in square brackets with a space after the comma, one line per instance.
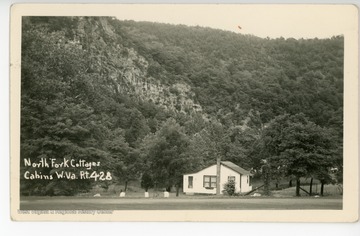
[159, 100]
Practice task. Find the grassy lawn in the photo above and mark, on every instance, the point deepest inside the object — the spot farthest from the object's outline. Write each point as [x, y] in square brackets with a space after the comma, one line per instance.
[135, 191]
[134, 200]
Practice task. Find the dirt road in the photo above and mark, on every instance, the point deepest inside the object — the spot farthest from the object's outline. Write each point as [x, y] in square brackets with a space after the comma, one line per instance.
[191, 203]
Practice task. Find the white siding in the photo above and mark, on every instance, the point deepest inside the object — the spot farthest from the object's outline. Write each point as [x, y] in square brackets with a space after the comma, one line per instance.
[198, 181]
[245, 181]
[225, 172]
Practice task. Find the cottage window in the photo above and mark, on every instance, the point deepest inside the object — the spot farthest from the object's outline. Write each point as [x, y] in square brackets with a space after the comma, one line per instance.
[231, 178]
[190, 182]
[210, 181]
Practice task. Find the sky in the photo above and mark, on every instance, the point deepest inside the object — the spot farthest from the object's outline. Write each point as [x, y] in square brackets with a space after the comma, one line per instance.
[262, 20]
[274, 21]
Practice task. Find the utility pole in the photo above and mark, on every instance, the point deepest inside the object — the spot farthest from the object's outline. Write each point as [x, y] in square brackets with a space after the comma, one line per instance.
[218, 162]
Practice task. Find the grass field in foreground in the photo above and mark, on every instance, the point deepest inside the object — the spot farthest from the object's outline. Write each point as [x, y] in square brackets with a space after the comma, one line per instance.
[282, 200]
[137, 192]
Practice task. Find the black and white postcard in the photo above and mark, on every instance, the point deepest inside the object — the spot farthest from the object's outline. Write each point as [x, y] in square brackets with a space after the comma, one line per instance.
[184, 112]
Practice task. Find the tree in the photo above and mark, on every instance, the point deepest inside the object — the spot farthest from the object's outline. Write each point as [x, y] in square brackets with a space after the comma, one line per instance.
[323, 174]
[165, 155]
[137, 127]
[129, 168]
[57, 121]
[242, 144]
[298, 147]
[266, 176]
[147, 181]
[125, 164]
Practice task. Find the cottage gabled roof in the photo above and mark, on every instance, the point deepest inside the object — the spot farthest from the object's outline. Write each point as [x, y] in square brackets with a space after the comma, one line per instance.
[229, 165]
[236, 168]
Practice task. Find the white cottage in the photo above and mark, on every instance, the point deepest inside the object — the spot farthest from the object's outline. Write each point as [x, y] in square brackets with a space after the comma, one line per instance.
[204, 181]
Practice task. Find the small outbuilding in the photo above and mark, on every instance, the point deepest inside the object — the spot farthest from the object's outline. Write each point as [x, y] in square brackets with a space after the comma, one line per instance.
[204, 181]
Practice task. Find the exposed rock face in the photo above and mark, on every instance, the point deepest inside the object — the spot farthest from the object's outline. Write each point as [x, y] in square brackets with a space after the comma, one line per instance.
[127, 70]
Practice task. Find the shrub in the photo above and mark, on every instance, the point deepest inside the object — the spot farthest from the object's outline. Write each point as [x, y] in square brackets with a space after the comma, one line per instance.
[229, 187]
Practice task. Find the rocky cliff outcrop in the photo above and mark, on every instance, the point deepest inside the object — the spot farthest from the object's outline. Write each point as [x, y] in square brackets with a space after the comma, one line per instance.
[127, 70]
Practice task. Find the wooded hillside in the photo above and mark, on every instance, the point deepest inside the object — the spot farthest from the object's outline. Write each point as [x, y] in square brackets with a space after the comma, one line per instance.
[153, 101]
